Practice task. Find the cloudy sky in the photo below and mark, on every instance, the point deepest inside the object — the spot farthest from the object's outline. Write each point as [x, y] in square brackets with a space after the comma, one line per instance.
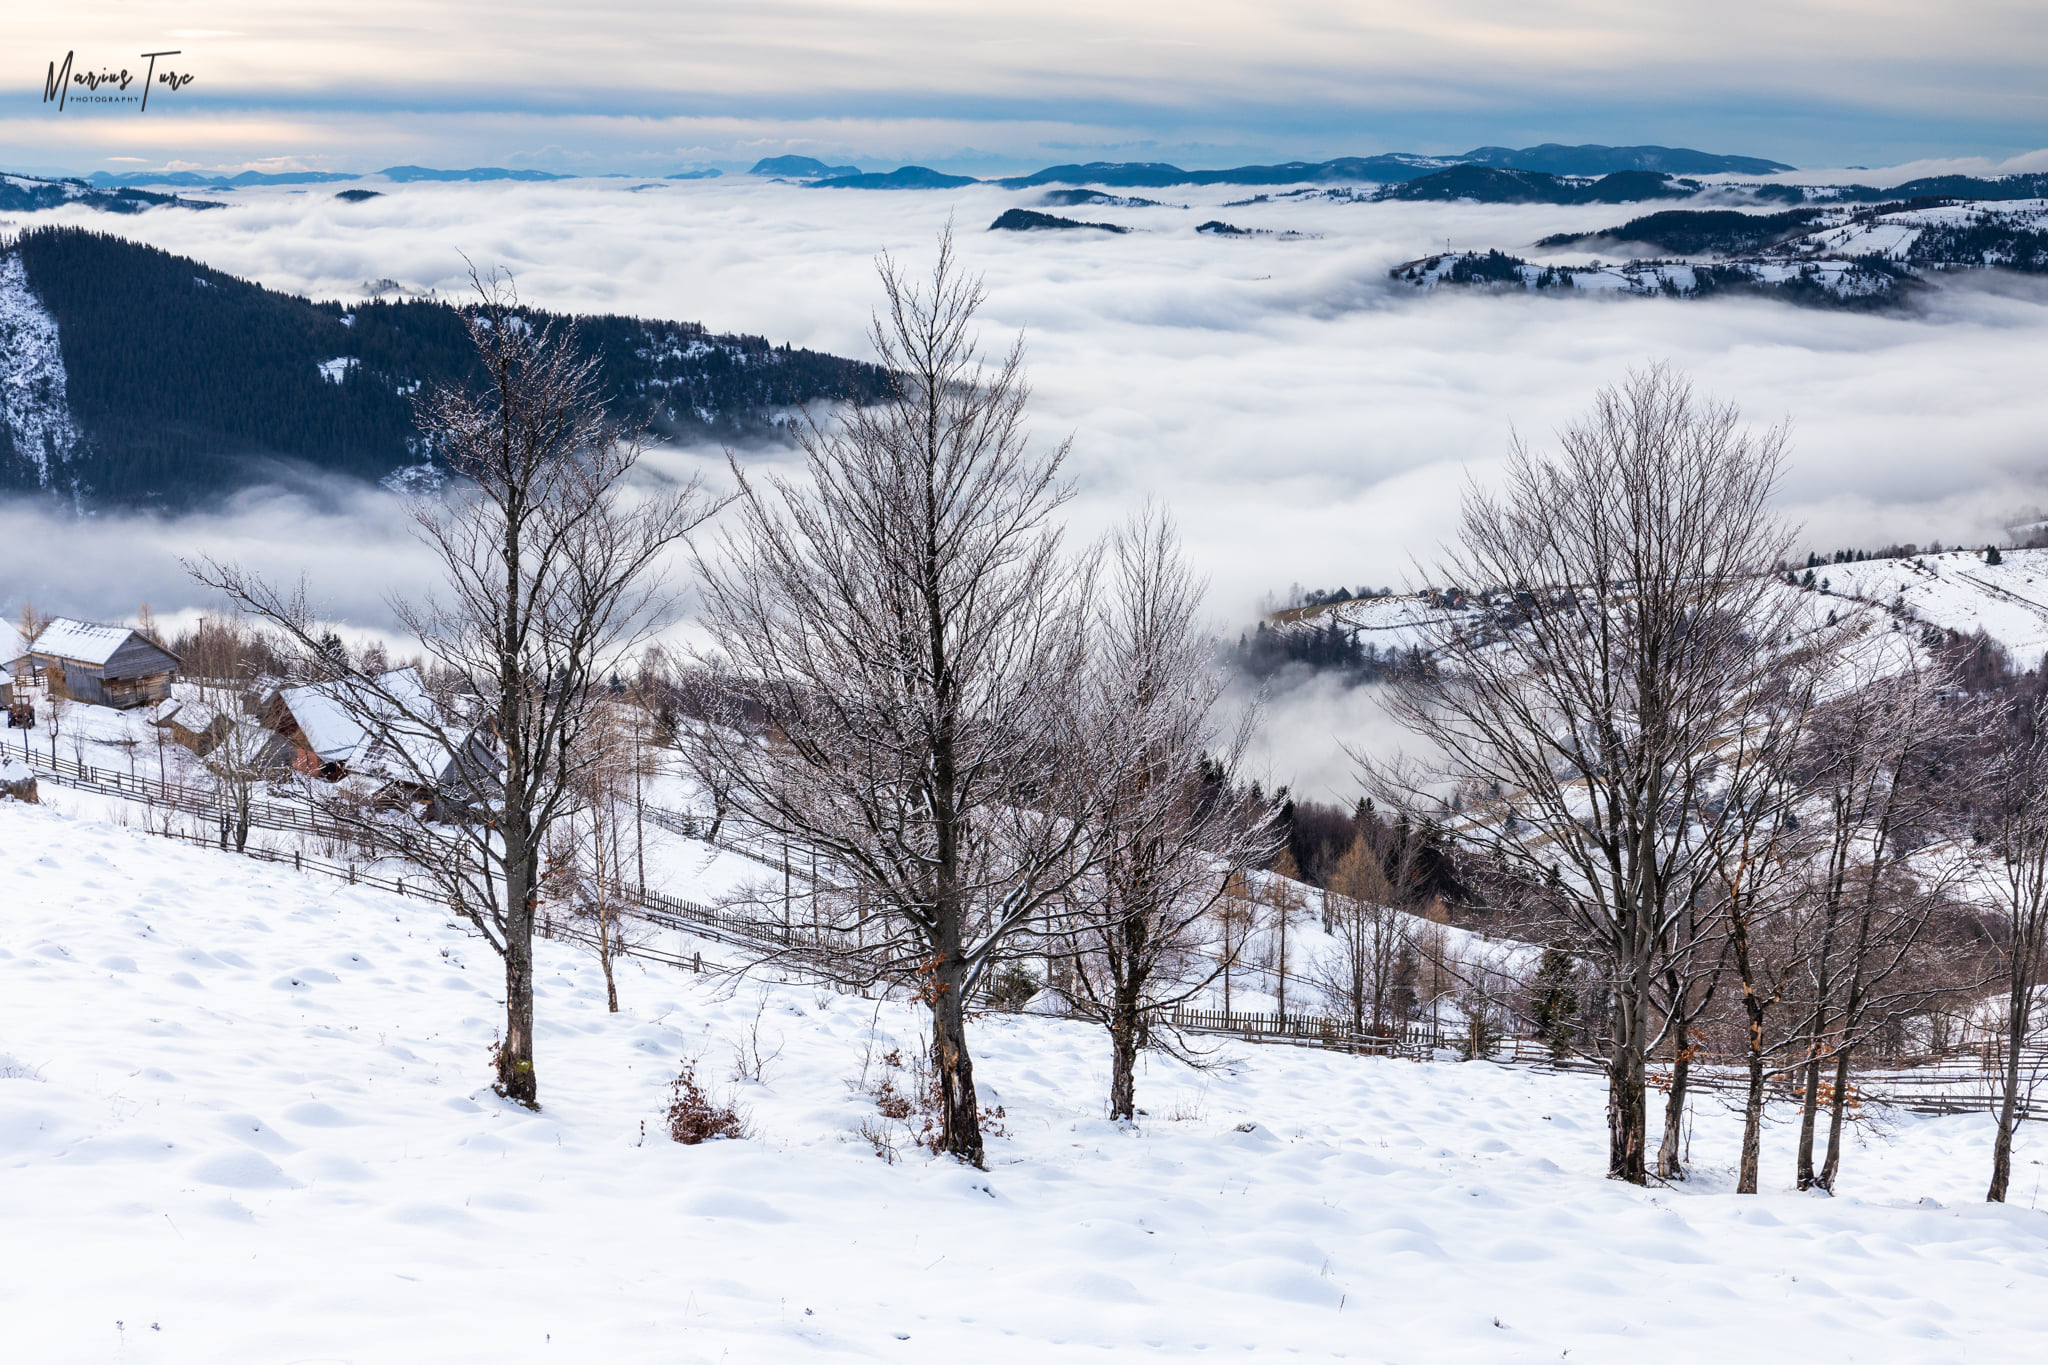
[640, 86]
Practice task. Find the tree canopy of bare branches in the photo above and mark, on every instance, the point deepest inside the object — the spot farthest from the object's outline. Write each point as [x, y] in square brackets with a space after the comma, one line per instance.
[1580, 723]
[2016, 857]
[1173, 832]
[909, 626]
[551, 575]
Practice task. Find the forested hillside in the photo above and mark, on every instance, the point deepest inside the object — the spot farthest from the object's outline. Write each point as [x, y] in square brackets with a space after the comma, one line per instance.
[180, 379]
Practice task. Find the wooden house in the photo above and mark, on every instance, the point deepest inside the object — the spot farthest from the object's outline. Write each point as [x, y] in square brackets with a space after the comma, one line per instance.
[193, 725]
[393, 735]
[13, 662]
[103, 665]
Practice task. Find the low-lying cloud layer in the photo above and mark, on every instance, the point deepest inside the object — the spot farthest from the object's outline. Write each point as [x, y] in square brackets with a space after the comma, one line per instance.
[1306, 419]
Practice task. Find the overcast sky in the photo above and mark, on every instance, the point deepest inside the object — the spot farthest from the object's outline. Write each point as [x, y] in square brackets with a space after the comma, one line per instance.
[641, 86]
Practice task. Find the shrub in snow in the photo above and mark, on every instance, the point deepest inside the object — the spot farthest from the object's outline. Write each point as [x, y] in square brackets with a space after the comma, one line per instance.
[17, 782]
[1011, 989]
[694, 1117]
[909, 1094]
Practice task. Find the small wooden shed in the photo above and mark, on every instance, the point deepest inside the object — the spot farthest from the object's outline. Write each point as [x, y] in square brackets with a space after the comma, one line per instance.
[13, 660]
[114, 666]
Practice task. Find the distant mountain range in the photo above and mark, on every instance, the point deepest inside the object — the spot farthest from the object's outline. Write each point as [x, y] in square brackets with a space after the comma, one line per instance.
[28, 193]
[130, 376]
[1494, 185]
[1392, 168]
[799, 167]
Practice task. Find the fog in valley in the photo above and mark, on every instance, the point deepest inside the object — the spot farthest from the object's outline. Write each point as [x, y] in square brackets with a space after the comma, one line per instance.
[1306, 419]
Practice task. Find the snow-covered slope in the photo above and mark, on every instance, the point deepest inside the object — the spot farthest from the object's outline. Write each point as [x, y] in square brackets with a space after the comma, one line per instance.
[1958, 591]
[33, 406]
[242, 1119]
[1853, 254]
[1955, 590]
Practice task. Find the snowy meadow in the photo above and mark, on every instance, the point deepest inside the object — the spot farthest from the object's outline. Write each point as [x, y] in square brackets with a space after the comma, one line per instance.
[251, 1103]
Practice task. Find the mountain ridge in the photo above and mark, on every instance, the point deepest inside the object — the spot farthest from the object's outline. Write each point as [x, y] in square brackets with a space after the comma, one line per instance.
[137, 377]
[1381, 168]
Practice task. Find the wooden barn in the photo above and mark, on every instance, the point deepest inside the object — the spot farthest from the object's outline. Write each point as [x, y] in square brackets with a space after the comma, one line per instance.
[13, 662]
[392, 735]
[103, 665]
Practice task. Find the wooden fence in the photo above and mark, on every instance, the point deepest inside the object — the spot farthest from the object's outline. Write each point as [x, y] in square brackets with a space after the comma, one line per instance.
[1309, 1030]
[1972, 1082]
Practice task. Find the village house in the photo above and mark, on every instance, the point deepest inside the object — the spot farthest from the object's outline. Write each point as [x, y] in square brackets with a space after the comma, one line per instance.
[193, 725]
[13, 662]
[115, 666]
[392, 734]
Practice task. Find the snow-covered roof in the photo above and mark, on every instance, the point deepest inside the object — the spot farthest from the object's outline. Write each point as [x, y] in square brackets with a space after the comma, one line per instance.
[12, 645]
[82, 641]
[329, 720]
[193, 715]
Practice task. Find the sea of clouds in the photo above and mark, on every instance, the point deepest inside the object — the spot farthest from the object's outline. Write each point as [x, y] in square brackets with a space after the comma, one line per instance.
[1306, 419]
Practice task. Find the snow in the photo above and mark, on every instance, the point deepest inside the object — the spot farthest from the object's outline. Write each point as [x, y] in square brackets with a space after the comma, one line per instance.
[1957, 590]
[242, 1118]
[12, 646]
[85, 642]
[338, 369]
[33, 405]
[337, 736]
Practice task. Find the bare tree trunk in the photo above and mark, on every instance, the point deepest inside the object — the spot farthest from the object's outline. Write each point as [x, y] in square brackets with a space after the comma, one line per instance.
[960, 1112]
[1628, 1117]
[1752, 1122]
[1126, 1038]
[2018, 1003]
[1838, 1106]
[1809, 1107]
[1669, 1153]
[516, 1078]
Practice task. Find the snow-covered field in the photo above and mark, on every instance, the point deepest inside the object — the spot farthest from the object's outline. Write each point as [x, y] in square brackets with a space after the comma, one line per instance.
[243, 1119]
[1955, 590]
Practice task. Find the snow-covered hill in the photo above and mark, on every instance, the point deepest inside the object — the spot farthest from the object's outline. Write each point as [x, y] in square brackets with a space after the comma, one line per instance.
[35, 415]
[1851, 254]
[1955, 590]
[242, 1118]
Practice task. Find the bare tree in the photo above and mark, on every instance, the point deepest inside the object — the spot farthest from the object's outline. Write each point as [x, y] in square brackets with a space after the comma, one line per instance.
[1235, 914]
[1174, 834]
[1872, 755]
[909, 627]
[585, 861]
[1759, 862]
[2017, 860]
[1286, 905]
[551, 576]
[1579, 720]
[1373, 941]
[233, 747]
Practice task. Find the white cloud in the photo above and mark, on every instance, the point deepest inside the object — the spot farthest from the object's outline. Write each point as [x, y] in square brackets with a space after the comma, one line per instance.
[1293, 77]
[1306, 419]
